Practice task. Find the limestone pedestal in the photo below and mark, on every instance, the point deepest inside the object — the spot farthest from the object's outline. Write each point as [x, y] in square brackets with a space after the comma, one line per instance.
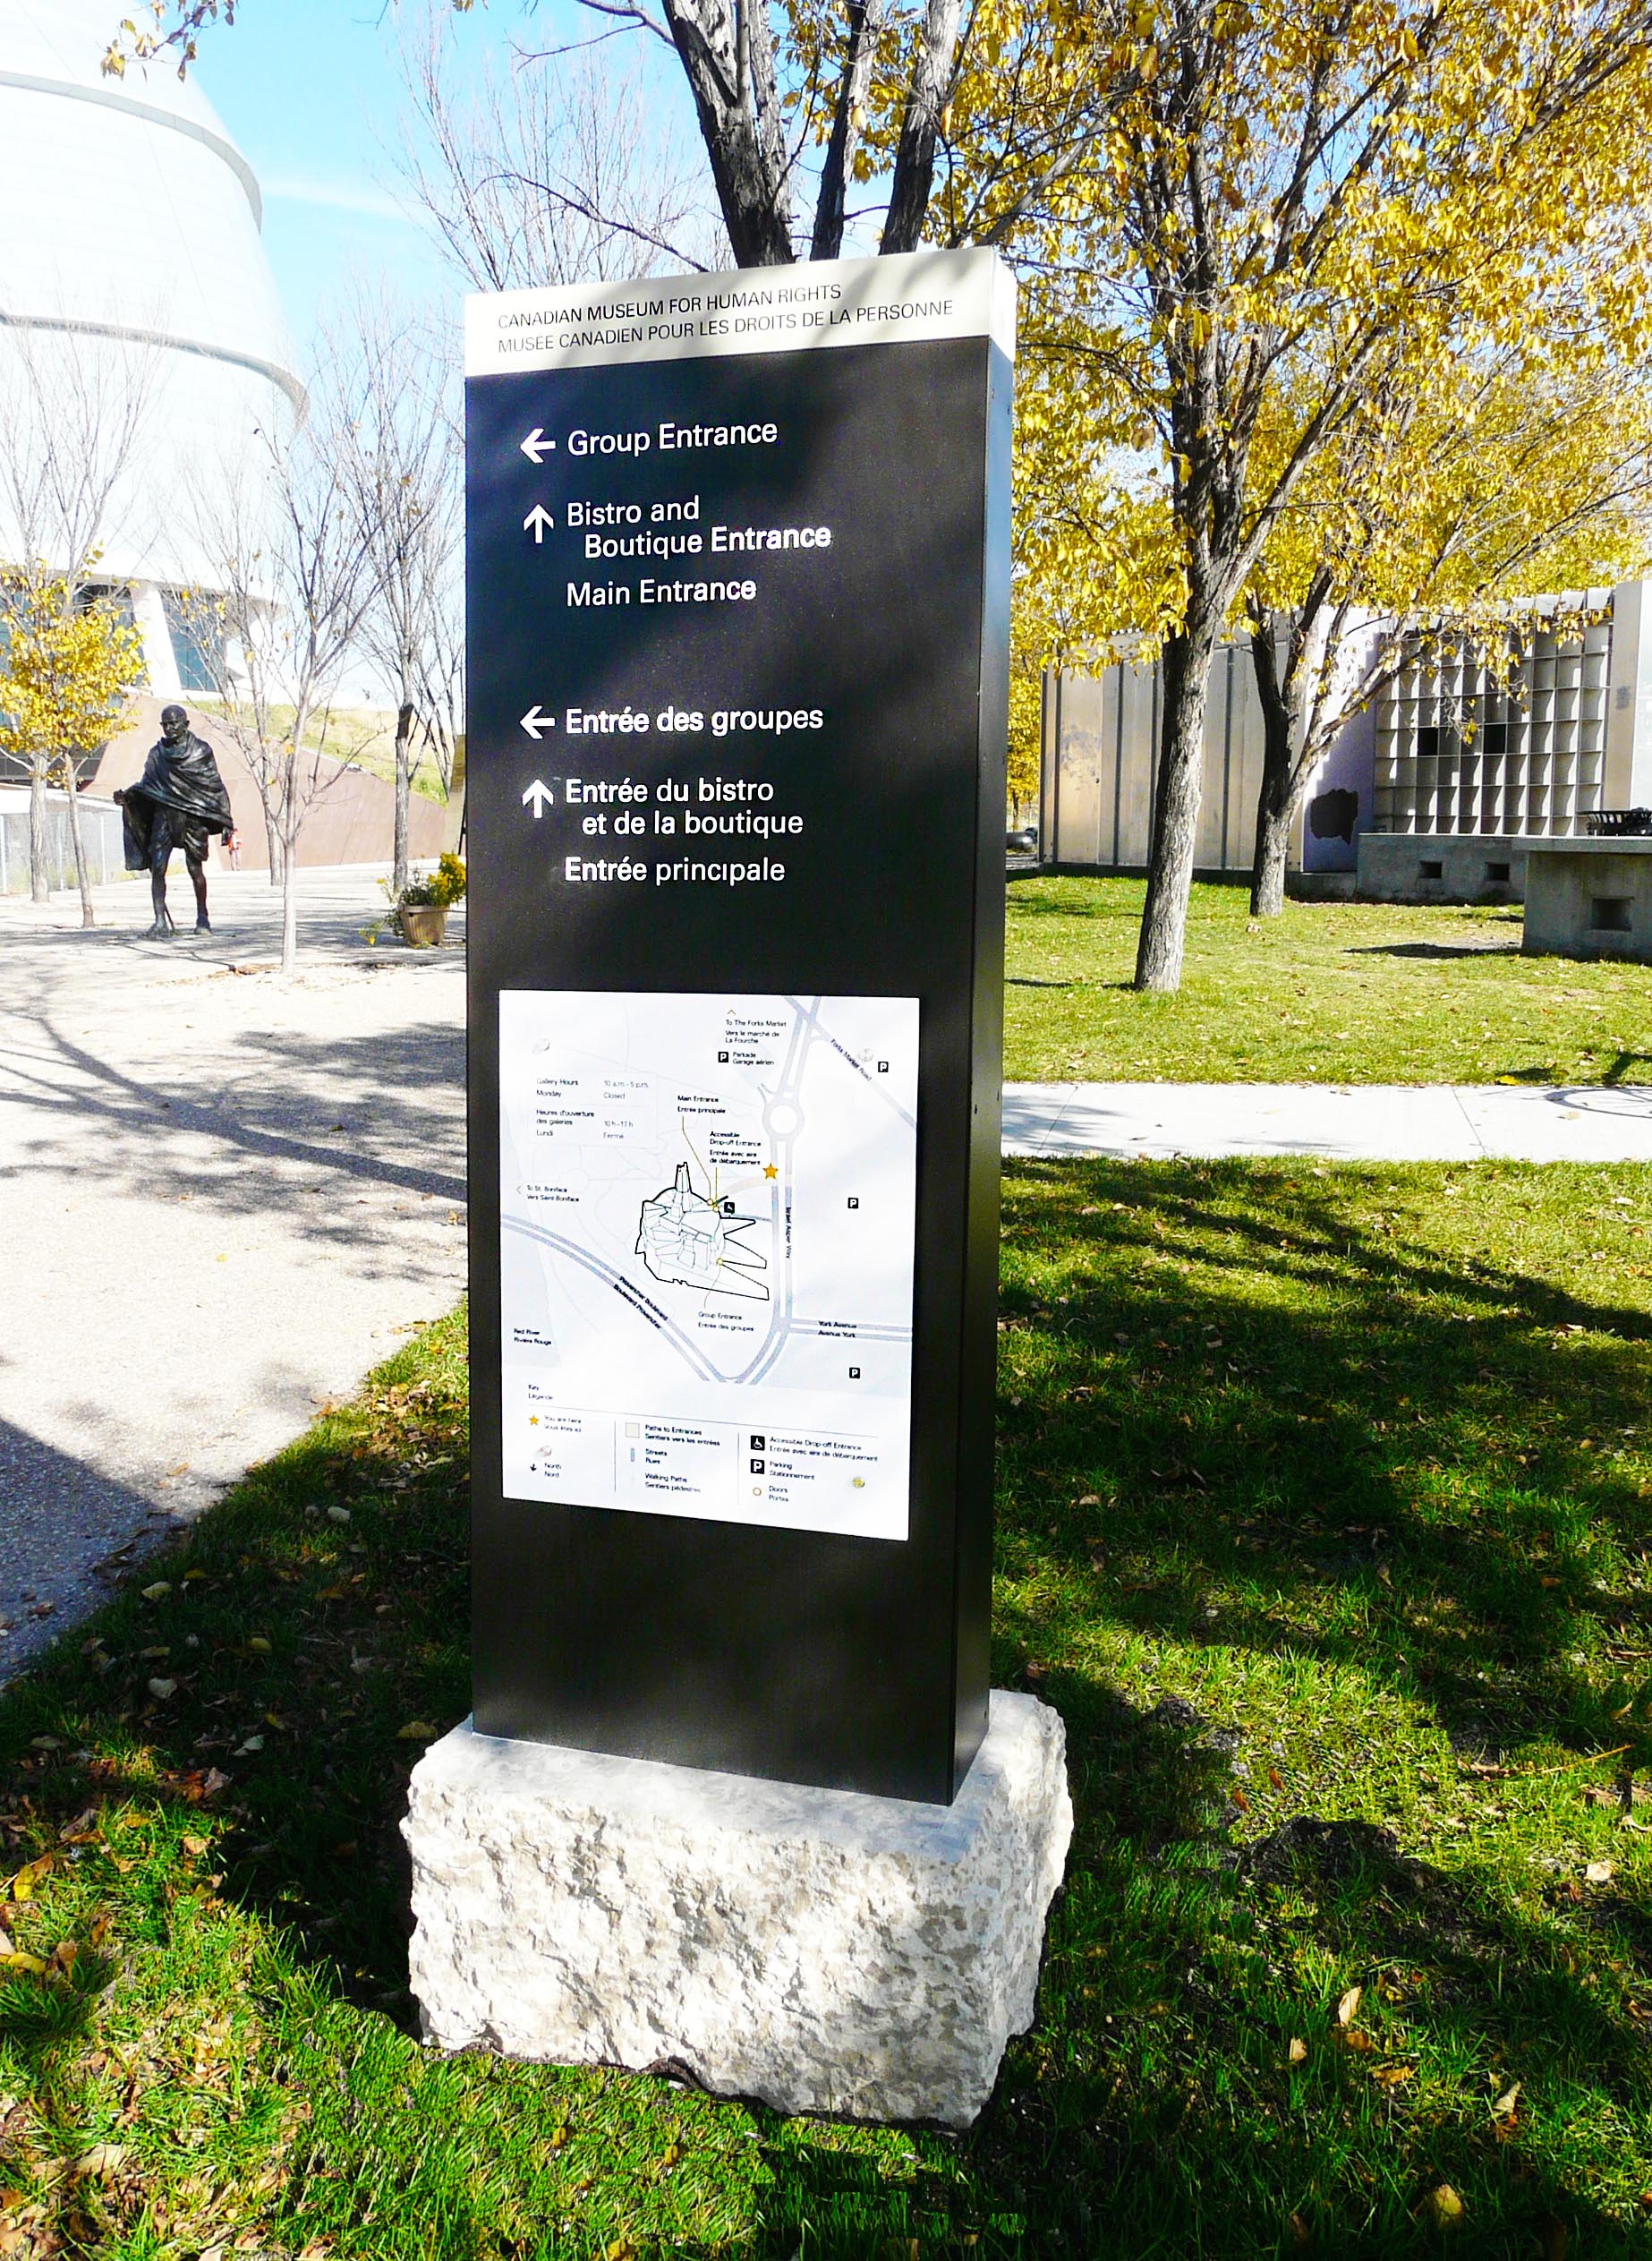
[819, 1951]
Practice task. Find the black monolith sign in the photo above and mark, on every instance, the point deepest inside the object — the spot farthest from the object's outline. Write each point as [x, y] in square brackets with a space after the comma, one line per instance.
[738, 594]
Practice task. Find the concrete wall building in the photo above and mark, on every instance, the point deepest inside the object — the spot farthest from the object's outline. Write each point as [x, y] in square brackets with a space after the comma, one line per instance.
[1436, 793]
[133, 257]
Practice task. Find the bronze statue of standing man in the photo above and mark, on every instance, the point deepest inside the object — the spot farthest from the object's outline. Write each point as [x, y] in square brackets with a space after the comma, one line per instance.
[179, 802]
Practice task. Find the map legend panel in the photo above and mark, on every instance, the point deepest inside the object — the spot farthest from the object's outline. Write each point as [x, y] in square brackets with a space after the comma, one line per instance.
[708, 1210]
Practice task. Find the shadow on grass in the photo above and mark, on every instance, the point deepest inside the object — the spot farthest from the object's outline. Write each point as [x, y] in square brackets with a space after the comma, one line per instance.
[1622, 1063]
[1432, 950]
[294, 1633]
[1343, 1407]
[1249, 1425]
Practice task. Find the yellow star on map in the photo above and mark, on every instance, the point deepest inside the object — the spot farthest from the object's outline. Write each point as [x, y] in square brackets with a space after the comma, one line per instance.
[533, 1420]
[769, 1170]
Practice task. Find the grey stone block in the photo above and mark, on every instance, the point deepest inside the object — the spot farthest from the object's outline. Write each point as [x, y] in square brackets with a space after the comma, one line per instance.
[1590, 899]
[821, 1950]
[1442, 868]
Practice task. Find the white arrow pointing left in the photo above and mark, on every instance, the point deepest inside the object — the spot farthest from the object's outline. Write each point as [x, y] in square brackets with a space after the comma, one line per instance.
[536, 724]
[537, 798]
[536, 521]
[535, 447]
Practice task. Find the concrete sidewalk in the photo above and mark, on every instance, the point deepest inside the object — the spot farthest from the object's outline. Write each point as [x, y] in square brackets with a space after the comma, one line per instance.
[1333, 1122]
[224, 1196]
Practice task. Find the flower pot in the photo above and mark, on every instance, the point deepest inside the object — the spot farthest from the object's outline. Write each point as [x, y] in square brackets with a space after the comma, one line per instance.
[422, 924]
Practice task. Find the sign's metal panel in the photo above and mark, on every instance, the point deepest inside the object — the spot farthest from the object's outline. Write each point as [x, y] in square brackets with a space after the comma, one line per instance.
[736, 759]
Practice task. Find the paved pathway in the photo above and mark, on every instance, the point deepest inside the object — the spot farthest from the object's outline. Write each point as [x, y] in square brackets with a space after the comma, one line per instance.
[1382, 1123]
[223, 1195]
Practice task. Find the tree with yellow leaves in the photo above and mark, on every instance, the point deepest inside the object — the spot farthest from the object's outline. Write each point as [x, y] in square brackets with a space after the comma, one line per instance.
[66, 671]
[1290, 211]
[1509, 476]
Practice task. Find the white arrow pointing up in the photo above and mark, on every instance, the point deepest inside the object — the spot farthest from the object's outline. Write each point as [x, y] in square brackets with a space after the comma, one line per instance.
[536, 521]
[536, 724]
[536, 446]
[536, 798]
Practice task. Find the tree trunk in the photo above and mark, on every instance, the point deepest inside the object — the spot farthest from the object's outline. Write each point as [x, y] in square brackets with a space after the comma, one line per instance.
[1267, 872]
[1276, 797]
[403, 787]
[83, 877]
[289, 903]
[728, 58]
[38, 887]
[920, 126]
[1176, 814]
[865, 23]
[292, 818]
[272, 842]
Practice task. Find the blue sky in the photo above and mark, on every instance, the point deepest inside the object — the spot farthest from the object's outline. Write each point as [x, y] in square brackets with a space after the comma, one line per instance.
[309, 90]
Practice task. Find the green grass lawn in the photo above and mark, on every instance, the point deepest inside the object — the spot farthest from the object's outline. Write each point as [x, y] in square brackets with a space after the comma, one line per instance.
[1326, 1521]
[1327, 992]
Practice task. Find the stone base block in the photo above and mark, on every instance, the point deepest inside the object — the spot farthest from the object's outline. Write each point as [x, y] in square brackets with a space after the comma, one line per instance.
[819, 1951]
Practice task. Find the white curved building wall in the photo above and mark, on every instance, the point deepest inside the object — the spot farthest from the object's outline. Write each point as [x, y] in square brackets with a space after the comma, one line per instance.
[132, 258]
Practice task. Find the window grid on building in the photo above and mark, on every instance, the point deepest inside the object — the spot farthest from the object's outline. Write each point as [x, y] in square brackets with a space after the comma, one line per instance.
[1455, 753]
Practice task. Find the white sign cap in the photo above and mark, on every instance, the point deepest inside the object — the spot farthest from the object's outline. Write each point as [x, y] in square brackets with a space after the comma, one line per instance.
[909, 296]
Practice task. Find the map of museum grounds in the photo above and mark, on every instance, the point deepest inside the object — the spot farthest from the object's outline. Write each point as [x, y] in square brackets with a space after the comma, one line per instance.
[708, 1209]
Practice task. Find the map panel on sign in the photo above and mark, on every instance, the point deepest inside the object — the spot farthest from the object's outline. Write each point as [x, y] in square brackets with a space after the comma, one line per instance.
[707, 1208]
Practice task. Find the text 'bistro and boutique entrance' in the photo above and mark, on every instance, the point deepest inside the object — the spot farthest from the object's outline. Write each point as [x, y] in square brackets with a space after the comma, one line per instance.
[738, 556]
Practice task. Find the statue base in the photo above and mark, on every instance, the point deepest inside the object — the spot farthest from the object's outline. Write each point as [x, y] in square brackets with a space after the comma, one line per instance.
[817, 1950]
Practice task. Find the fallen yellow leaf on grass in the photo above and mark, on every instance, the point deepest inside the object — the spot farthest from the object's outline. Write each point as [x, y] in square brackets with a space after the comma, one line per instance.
[1298, 2050]
[1348, 2004]
[162, 1689]
[1598, 1872]
[158, 1590]
[102, 2159]
[32, 1964]
[259, 1645]
[1506, 2102]
[415, 1731]
[1391, 2075]
[1442, 2209]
